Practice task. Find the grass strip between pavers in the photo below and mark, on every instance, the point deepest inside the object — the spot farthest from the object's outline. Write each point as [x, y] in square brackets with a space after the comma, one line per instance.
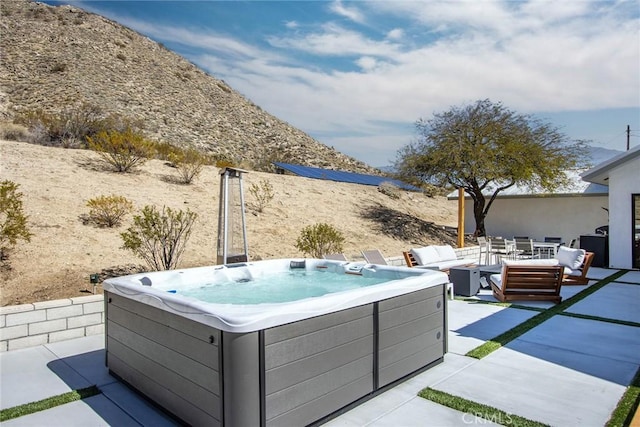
[627, 406]
[513, 333]
[476, 413]
[600, 319]
[48, 403]
[502, 304]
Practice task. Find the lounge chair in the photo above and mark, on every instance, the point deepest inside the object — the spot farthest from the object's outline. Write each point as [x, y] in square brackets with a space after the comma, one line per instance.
[576, 264]
[521, 280]
[374, 256]
[336, 257]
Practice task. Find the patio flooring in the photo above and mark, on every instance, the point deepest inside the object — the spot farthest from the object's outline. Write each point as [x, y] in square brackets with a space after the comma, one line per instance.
[567, 371]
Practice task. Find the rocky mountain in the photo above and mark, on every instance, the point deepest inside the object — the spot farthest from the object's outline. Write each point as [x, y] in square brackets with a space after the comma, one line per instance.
[56, 57]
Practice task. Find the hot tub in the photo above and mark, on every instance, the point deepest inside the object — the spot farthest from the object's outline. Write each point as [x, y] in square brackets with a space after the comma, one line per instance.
[240, 362]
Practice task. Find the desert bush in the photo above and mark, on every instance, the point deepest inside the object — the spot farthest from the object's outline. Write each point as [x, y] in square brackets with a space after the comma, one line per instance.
[159, 237]
[188, 163]
[13, 132]
[13, 221]
[58, 67]
[123, 150]
[320, 239]
[164, 150]
[389, 189]
[222, 161]
[262, 193]
[431, 190]
[69, 128]
[108, 211]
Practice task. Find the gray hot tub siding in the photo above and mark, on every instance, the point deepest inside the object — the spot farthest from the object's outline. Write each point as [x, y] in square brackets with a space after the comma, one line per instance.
[294, 374]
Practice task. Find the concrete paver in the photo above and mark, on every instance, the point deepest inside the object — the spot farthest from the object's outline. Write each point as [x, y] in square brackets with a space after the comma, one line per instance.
[471, 324]
[536, 389]
[619, 301]
[33, 374]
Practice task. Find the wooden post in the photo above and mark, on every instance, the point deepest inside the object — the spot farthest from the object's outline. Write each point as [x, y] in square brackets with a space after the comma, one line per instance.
[460, 217]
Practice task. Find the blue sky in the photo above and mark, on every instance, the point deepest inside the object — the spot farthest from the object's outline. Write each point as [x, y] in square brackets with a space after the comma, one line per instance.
[356, 75]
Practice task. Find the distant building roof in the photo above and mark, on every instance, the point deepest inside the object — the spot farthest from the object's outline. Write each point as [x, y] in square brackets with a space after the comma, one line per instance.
[341, 176]
[577, 187]
[599, 174]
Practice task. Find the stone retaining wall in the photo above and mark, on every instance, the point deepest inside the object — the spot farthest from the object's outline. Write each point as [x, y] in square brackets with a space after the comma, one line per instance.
[28, 325]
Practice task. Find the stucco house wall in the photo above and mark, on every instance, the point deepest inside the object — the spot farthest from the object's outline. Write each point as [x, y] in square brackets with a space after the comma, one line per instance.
[566, 216]
[623, 182]
[622, 175]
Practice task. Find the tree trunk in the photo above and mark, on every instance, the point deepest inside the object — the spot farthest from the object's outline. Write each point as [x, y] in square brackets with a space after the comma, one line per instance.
[479, 214]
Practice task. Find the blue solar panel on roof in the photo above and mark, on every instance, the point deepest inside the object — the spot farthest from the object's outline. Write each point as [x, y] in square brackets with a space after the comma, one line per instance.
[342, 176]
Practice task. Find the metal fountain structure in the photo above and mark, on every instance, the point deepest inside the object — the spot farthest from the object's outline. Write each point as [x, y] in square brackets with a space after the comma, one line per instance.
[232, 229]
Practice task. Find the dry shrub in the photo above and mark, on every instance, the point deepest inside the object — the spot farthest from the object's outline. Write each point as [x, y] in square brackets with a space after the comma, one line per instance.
[13, 221]
[262, 193]
[320, 239]
[108, 211]
[124, 151]
[159, 237]
[389, 189]
[13, 132]
[188, 163]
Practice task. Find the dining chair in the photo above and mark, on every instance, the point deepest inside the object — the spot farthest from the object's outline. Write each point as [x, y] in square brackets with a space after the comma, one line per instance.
[499, 248]
[483, 243]
[524, 249]
[553, 239]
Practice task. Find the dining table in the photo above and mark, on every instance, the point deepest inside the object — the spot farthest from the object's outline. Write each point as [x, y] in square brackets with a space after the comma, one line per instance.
[546, 249]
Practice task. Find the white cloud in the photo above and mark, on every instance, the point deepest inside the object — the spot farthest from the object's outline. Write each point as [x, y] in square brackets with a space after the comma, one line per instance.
[532, 56]
[291, 24]
[351, 13]
[335, 40]
[367, 63]
[395, 34]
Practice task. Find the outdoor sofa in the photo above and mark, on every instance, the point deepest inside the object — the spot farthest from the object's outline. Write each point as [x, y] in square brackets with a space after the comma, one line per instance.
[436, 258]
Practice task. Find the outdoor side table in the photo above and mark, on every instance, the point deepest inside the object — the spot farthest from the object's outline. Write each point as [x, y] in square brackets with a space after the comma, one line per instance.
[466, 280]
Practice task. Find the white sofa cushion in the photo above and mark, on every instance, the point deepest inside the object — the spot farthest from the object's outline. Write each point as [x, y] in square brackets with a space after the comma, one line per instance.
[570, 257]
[446, 265]
[446, 253]
[496, 279]
[425, 255]
[570, 272]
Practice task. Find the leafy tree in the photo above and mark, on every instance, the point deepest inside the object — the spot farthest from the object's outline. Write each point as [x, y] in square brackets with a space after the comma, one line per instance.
[486, 148]
[159, 237]
[13, 221]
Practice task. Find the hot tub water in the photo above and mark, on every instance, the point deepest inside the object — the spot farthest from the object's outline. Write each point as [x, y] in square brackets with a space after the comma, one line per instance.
[275, 288]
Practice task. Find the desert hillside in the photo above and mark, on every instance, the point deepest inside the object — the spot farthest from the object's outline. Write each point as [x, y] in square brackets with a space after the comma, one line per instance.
[56, 184]
[59, 58]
